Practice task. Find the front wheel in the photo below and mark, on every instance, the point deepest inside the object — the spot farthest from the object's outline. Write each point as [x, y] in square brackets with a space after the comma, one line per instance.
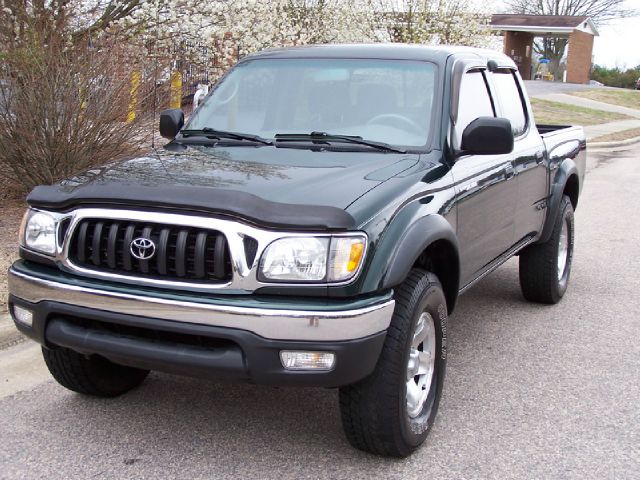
[545, 267]
[391, 411]
[91, 375]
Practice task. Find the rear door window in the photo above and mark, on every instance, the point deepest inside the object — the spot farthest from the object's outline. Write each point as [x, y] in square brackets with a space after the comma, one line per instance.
[475, 101]
[510, 99]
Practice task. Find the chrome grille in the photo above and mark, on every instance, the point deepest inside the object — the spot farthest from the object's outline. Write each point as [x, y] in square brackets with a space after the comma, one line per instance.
[182, 253]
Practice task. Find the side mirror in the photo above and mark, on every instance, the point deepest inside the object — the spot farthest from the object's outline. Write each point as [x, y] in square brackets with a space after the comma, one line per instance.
[171, 121]
[487, 136]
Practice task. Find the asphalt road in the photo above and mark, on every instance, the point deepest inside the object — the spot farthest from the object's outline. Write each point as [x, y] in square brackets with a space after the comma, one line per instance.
[531, 392]
[539, 87]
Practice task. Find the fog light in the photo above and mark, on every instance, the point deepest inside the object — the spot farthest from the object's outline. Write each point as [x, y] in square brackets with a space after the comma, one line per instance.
[22, 315]
[298, 360]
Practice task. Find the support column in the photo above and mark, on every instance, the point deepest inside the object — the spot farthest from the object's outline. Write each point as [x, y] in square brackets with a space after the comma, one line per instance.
[579, 57]
[519, 45]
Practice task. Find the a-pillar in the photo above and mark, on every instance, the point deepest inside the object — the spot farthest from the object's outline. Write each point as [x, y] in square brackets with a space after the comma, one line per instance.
[518, 46]
[579, 57]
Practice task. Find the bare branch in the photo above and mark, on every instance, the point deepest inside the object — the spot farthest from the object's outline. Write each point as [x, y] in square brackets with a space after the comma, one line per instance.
[600, 11]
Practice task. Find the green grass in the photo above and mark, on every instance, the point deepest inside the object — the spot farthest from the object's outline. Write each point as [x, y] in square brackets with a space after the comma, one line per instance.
[621, 97]
[556, 113]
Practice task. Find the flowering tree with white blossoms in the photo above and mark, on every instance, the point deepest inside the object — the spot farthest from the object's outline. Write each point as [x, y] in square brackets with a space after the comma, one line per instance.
[450, 22]
[247, 26]
[239, 27]
[254, 25]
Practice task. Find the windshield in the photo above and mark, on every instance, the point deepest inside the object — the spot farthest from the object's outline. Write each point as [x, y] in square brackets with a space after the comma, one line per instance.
[386, 101]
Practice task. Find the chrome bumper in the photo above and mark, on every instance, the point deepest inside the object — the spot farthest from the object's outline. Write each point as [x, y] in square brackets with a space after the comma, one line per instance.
[275, 324]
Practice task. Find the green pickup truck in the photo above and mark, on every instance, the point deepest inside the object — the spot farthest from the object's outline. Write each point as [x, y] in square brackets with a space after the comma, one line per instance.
[312, 224]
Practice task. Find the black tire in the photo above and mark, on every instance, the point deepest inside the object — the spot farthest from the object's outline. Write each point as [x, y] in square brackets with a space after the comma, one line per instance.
[540, 279]
[91, 375]
[374, 411]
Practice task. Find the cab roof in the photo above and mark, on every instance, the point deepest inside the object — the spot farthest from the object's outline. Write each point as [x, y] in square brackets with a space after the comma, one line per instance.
[386, 51]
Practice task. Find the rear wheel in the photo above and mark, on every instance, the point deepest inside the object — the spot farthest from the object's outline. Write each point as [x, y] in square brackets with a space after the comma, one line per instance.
[91, 375]
[545, 268]
[391, 411]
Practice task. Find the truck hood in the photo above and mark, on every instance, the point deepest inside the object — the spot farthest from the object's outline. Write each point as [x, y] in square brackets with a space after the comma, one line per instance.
[235, 180]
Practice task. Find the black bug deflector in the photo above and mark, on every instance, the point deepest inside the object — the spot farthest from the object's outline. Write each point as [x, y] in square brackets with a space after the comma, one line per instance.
[203, 199]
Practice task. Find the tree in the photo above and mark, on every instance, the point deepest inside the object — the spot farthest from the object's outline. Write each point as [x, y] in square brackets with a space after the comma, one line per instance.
[332, 21]
[76, 19]
[246, 26]
[600, 11]
[553, 48]
[451, 22]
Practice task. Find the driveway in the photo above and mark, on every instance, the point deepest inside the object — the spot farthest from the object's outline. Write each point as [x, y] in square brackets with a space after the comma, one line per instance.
[532, 391]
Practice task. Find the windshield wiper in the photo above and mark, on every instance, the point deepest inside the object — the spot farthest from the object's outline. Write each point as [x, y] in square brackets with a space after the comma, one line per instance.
[219, 134]
[324, 137]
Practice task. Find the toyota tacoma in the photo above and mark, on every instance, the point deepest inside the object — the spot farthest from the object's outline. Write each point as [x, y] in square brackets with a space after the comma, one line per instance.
[313, 223]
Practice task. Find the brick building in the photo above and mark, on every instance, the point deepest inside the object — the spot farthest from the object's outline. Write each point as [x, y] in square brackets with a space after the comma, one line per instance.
[520, 30]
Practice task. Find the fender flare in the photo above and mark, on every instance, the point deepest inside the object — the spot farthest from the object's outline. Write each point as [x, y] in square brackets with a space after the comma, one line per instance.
[566, 170]
[421, 234]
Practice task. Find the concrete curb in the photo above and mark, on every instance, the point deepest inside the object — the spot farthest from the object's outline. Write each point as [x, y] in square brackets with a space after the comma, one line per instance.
[9, 334]
[619, 143]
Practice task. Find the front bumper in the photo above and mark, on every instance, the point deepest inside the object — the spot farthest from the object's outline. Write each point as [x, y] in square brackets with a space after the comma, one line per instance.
[200, 336]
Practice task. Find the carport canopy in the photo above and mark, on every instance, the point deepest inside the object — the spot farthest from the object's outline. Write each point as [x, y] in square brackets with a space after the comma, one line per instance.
[520, 30]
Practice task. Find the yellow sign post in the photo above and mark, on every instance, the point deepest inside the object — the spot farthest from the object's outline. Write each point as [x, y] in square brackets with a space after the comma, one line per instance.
[133, 96]
[176, 90]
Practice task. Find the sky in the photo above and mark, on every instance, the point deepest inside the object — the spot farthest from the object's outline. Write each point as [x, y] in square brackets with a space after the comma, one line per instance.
[619, 42]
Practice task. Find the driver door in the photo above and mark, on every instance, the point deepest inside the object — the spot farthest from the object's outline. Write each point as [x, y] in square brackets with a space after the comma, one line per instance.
[486, 190]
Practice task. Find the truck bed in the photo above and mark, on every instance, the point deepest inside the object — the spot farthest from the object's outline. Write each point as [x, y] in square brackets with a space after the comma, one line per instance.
[546, 129]
[564, 141]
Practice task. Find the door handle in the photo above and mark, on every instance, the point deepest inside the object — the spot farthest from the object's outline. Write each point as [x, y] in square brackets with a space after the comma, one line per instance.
[509, 171]
[539, 157]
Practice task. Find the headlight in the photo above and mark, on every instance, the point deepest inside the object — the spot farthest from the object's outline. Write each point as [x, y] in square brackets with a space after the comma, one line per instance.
[296, 258]
[38, 232]
[312, 259]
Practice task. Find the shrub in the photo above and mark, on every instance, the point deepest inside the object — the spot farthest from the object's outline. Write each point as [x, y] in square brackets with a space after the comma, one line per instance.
[616, 77]
[63, 108]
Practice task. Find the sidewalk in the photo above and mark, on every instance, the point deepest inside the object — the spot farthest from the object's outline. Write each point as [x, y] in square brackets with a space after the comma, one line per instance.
[593, 131]
[9, 334]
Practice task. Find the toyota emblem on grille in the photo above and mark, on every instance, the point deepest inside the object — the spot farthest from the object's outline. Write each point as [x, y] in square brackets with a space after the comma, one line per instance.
[142, 248]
